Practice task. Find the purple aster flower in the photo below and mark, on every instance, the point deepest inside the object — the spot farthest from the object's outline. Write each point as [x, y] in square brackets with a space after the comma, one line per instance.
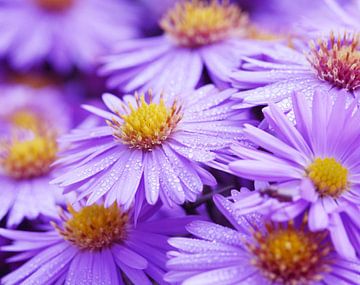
[94, 245]
[158, 145]
[64, 33]
[28, 147]
[332, 65]
[256, 251]
[28, 103]
[314, 164]
[198, 35]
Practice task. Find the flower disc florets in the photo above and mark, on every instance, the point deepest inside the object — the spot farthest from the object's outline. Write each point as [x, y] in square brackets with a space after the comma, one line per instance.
[329, 176]
[30, 148]
[290, 255]
[337, 60]
[196, 23]
[94, 227]
[28, 158]
[148, 124]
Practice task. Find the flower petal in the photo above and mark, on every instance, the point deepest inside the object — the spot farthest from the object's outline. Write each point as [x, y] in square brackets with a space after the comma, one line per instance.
[318, 218]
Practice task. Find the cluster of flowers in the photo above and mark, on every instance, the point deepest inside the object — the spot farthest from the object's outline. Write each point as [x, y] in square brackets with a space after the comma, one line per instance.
[230, 155]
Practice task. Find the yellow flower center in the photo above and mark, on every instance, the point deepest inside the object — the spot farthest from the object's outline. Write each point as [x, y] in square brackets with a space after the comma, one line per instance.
[329, 176]
[28, 158]
[287, 255]
[54, 5]
[148, 125]
[95, 227]
[196, 23]
[337, 60]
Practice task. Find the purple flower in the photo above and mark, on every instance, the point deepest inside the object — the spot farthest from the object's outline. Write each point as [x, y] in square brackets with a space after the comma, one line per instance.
[95, 245]
[199, 35]
[26, 104]
[313, 164]
[64, 33]
[256, 251]
[28, 147]
[331, 65]
[151, 147]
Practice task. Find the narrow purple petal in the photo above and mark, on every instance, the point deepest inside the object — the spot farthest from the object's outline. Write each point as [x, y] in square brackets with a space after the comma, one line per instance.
[258, 170]
[112, 102]
[130, 177]
[151, 178]
[308, 191]
[44, 261]
[222, 276]
[199, 246]
[214, 232]
[136, 276]
[318, 218]
[340, 239]
[128, 257]
[101, 113]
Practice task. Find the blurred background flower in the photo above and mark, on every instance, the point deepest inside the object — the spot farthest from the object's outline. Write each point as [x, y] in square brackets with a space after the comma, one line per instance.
[62, 33]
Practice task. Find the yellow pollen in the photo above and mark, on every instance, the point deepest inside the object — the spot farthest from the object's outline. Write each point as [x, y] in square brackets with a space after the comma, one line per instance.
[196, 23]
[24, 159]
[95, 227]
[291, 256]
[329, 176]
[148, 125]
[54, 5]
[337, 60]
[27, 120]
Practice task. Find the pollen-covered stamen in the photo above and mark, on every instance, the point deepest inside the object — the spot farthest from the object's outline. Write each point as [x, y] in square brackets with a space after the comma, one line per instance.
[329, 176]
[337, 60]
[196, 23]
[94, 227]
[28, 155]
[291, 256]
[148, 124]
[54, 5]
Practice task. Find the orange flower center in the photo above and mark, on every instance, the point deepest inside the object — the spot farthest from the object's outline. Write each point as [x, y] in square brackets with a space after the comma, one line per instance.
[94, 227]
[290, 256]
